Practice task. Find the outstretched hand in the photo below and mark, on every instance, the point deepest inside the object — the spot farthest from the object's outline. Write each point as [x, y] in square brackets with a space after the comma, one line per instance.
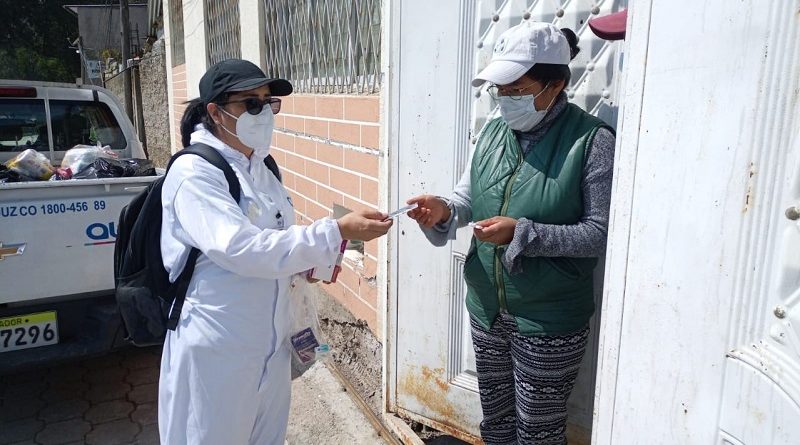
[364, 225]
[431, 210]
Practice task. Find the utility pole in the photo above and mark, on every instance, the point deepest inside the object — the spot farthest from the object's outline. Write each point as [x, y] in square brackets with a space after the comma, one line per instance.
[126, 54]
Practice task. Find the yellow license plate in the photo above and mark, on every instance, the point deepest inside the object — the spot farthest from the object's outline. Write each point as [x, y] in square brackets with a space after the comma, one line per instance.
[28, 331]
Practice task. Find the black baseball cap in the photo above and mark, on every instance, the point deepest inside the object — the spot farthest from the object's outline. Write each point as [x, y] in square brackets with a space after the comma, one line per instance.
[234, 75]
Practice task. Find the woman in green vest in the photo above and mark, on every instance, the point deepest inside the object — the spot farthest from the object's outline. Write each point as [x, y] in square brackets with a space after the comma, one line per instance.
[537, 194]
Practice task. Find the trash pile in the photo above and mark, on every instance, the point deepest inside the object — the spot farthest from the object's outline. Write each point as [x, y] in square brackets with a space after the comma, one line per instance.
[80, 162]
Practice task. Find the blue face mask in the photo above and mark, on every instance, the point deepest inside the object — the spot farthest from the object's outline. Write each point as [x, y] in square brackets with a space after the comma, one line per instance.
[520, 112]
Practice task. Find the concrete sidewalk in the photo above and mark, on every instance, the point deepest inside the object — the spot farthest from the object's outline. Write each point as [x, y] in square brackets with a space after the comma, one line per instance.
[323, 413]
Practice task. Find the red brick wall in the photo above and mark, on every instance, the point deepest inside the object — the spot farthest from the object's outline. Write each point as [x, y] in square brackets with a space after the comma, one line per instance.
[179, 99]
[328, 149]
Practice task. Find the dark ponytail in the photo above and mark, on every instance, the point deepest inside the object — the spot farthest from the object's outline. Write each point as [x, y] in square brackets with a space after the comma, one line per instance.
[572, 39]
[196, 113]
[548, 72]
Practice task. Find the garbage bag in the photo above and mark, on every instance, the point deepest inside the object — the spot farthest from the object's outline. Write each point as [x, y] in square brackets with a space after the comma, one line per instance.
[116, 168]
[32, 165]
[79, 157]
[305, 336]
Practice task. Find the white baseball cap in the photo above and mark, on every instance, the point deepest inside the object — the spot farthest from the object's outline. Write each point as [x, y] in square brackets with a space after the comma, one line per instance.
[521, 47]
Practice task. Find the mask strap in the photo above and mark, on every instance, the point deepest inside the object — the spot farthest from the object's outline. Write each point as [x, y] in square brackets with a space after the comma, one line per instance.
[223, 125]
[551, 101]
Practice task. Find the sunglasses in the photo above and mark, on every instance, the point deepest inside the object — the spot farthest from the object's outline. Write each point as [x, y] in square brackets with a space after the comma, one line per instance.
[254, 105]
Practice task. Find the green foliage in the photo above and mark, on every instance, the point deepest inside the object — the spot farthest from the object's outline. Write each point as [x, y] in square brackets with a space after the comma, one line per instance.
[34, 40]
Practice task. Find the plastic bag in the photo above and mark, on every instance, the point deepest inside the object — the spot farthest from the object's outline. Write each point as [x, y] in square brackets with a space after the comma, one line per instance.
[116, 168]
[31, 164]
[79, 157]
[305, 336]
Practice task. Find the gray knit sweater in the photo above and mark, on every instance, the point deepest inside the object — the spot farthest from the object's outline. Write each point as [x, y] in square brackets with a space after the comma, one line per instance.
[586, 238]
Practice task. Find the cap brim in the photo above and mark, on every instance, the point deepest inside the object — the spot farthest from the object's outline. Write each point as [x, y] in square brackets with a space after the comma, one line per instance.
[501, 72]
[277, 87]
[610, 27]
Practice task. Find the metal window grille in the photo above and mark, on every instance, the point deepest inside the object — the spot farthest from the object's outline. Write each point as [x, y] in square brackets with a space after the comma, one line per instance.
[325, 46]
[176, 32]
[223, 30]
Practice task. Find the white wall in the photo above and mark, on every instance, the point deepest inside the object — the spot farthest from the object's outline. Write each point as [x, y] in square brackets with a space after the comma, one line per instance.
[195, 45]
[251, 13]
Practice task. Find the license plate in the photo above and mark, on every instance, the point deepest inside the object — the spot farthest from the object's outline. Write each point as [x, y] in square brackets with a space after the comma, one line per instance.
[28, 331]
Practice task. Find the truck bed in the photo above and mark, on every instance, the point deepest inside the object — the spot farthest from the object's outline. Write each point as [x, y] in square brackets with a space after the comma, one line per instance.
[57, 238]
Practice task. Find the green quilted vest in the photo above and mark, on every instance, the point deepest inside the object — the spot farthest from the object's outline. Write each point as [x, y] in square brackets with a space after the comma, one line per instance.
[551, 296]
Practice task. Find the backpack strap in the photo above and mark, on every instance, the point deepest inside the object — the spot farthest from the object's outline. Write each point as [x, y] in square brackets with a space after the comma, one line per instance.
[182, 283]
[269, 161]
[214, 158]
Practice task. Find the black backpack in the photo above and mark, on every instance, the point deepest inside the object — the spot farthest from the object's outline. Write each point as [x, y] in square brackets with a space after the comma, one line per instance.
[148, 302]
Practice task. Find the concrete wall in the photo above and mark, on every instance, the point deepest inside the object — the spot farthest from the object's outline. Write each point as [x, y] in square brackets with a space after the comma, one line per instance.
[154, 102]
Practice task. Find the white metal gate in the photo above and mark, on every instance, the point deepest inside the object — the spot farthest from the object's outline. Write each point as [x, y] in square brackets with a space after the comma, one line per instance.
[433, 113]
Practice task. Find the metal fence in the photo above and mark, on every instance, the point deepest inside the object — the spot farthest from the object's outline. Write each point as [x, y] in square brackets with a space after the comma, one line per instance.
[325, 46]
[223, 30]
[176, 32]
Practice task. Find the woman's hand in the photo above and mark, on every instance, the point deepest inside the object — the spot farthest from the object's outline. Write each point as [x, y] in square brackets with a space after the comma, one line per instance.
[496, 230]
[432, 210]
[363, 225]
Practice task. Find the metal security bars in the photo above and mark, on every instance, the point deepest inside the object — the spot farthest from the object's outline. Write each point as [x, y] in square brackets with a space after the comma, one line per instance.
[176, 32]
[325, 46]
[223, 30]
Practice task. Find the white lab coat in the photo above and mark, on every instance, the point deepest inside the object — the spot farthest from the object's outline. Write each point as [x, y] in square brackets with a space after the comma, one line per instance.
[225, 370]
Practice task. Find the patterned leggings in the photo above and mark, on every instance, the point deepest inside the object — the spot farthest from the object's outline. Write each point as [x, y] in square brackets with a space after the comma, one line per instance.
[525, 382]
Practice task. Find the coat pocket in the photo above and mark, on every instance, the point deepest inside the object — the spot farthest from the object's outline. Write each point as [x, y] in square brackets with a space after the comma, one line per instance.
[475, 275]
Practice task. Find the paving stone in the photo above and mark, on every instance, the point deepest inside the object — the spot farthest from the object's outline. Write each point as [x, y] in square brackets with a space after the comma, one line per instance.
[148, 436]
[142, 376]
[24, 442]
[62, 391]
[146, 414]
[19, 408]
[63, 432]
[103, 392]
[105, 361]
[108, 411]
[66, 373]
[32, 388]
[106, 375]
[24, 377]
[19, 430]
[113, 433]
[141, 359]
[144, 393]
[64, 410]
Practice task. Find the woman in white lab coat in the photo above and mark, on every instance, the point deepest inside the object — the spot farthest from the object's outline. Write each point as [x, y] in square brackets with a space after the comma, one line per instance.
[225, 370]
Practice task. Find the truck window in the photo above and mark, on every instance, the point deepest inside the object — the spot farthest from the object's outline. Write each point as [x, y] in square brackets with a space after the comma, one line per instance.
[23, 125]
[84, 122]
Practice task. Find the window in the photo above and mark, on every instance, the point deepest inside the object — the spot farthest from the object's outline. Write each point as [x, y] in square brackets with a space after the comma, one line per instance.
[176, 32]
[82, 122]
[23, 125]
[223, 36]
[330, 46]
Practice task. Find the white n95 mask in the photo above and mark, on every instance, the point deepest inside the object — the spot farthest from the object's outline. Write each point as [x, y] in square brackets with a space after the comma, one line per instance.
[254, 130]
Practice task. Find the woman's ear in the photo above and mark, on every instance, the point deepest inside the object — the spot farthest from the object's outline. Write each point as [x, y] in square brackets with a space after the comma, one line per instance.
[558, 85]
[214, 113]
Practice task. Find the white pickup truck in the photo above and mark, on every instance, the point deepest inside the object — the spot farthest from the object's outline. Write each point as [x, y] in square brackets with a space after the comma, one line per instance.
[57, 237]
